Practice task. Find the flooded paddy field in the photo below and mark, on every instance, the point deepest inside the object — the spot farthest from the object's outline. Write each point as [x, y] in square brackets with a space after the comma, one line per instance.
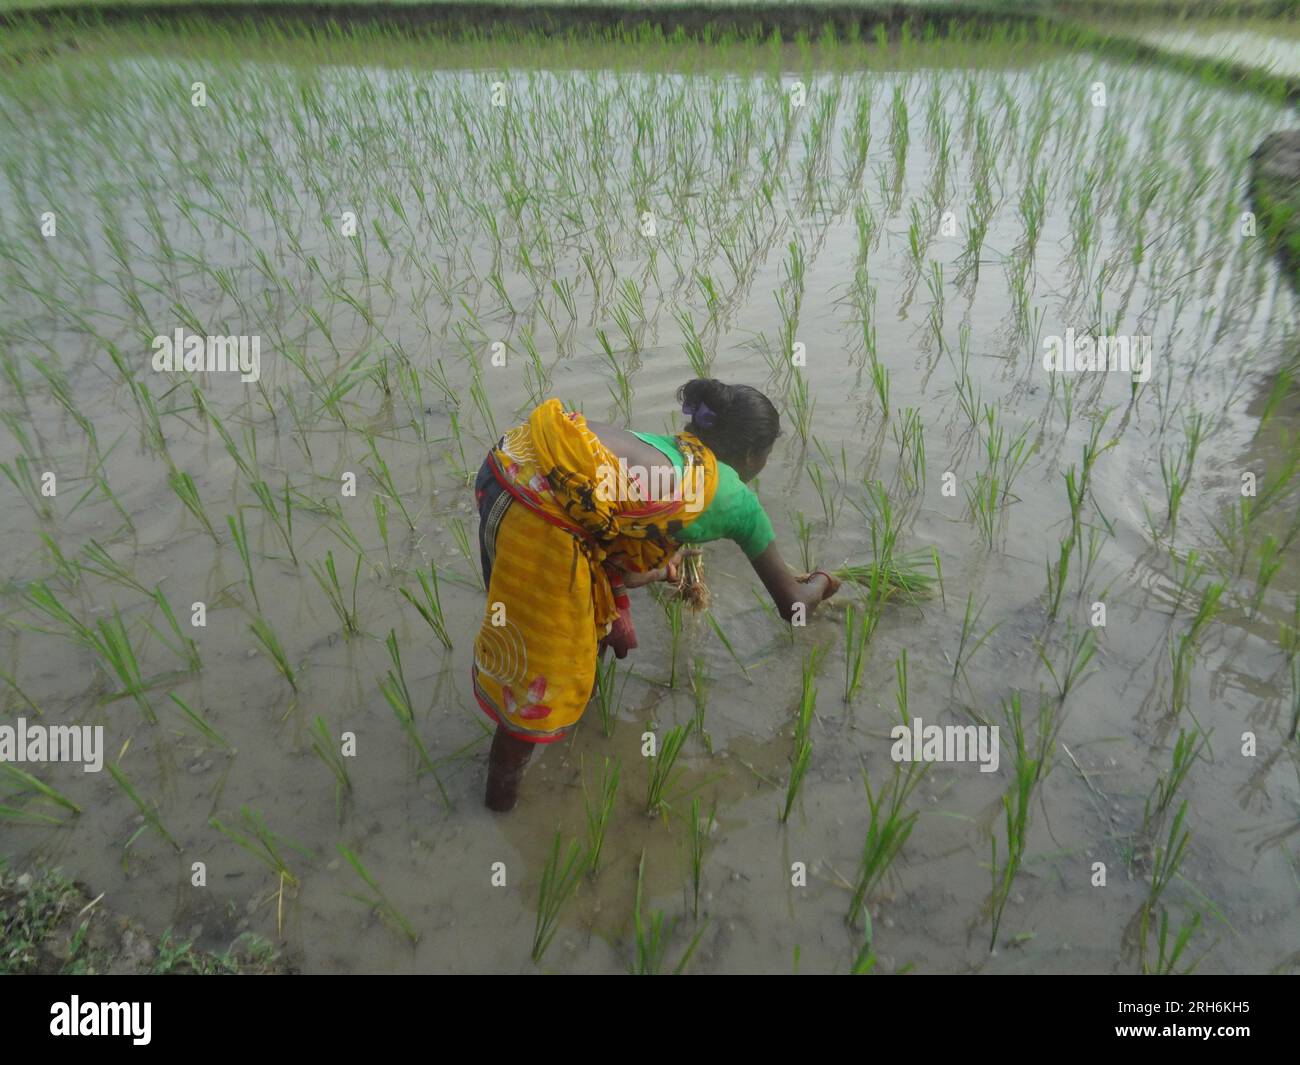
[247, 583]
[1272, 45]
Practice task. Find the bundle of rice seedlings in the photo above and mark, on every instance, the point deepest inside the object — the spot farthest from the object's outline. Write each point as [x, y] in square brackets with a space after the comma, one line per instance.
[690, 587]
[910, 574]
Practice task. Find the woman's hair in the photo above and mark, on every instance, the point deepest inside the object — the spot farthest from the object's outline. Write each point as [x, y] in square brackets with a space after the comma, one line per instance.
[730, 419]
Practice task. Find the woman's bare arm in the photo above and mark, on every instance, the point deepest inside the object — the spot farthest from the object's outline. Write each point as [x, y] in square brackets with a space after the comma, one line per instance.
[785, 589]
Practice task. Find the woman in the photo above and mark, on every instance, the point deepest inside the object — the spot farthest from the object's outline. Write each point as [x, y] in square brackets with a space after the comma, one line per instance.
[572, 513]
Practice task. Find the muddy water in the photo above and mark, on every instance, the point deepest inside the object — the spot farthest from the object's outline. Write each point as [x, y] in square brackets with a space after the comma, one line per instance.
[283, 149]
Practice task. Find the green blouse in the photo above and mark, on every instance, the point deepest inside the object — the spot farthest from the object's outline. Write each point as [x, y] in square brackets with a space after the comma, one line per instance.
[734, 513]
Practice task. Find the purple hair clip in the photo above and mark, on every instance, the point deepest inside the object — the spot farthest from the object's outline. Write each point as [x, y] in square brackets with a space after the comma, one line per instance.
[700, 413]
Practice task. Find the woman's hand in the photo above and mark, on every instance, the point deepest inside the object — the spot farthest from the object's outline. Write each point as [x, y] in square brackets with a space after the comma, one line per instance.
[830, 584]
[633, 579]
[787, 590]
[815, 588]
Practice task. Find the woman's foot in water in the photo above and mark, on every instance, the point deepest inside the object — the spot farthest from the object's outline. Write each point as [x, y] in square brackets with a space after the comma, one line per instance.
[506, 762]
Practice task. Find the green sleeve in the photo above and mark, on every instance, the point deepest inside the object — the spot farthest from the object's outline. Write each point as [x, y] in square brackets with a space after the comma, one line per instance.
[734, 514]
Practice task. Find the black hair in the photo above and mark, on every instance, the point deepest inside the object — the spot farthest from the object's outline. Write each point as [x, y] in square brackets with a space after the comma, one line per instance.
[739, 418]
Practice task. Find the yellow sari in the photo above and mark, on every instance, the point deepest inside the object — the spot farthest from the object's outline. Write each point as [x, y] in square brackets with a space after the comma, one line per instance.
[550, 601]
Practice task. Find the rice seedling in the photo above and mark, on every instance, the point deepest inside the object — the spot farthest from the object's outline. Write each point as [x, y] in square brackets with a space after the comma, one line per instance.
[1169, 954]
[283, 522]
[185, 647]
[1293, 731]
[102, 564]
[239, 534]
[201, 726]
[1187, 748]
[802, 754]
[865, 960]
[261, 628]
[70, 627]
[880, 378]
[888, 828]
[1081, 650]
[825, 493]
[461, 539]
[700, 831]
[17, 690]
[909, 435]
[802, 404]
[726, 642]
[1183, 653]
[606, 701]
[969, 622]
[379, 902]
[652, 936]
[345, 608]
[1165, 865]
[700, 698]
[21, 474]
[905, 574]
[398, 696]
[600, 810]
[384, 476]
[560, 878]
[673, 612]
[803, 534]
[266, 847]
[661, 767]
[1026, 771]
[65, 569]
[431, 608]
[148, 810]
[232, 449]
[187, 492]
[112, 643]
[1271, 556]
[857, 634]
[1057, 575]
[325, 747]
[27, 783]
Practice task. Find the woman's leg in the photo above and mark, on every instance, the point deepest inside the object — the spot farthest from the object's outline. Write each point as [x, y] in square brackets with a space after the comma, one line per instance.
[506, 763]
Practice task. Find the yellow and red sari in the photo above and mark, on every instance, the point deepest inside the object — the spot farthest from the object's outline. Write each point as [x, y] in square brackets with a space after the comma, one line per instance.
[549, 523]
